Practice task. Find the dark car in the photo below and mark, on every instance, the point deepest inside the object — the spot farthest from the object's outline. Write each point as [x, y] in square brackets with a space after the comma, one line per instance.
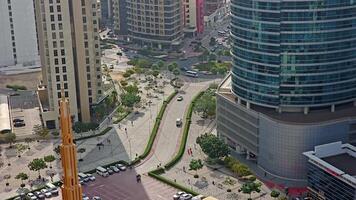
[18, 120]
[19, 124]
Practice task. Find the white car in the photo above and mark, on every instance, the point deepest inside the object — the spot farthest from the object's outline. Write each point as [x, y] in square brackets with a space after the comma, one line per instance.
[180, 98]
[91, 177]
[96, 198]
[121, 167]
[115, 169]
[48, 194]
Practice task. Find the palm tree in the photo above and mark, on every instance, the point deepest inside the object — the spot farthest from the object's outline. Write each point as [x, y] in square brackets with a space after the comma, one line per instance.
[49, 159]
[22, 176]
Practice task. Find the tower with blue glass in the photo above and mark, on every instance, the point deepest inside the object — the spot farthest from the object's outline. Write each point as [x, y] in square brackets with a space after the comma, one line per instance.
[292, 84]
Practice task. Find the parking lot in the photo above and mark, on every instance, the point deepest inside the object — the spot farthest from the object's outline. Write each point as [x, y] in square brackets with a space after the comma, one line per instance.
[123, 186]
[24, 106]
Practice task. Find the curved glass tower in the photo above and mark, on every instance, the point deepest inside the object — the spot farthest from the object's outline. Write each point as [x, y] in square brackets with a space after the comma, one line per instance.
[294, 53]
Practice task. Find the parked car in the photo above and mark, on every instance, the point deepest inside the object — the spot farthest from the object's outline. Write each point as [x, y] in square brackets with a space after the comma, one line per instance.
[121, 167]
[19, 124]
[18, 120]
[96, 198]
[186, 197]
[54, 192]
[91, 177]
[115, 169]
[109, 170]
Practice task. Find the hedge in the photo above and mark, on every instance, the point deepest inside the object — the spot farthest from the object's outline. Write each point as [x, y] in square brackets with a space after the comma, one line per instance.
[155, 128]
[171, 183]
[123, 117]
[95, 135]
[181, 150]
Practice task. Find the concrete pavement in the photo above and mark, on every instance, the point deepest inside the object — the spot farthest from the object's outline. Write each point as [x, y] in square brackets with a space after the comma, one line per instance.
[168, 138]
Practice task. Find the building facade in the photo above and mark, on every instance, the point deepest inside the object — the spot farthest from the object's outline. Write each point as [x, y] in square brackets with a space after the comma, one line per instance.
[120, 17]
[18, 40]
[193, 16]
[292, 84]
[332, 172]
[157, 24]
[106, 10]
[68, 33]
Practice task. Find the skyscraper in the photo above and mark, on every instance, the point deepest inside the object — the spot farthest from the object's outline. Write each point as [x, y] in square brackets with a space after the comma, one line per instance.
[70, 56]
[18, 42]
[157, 24]
[292, 85]
[193, 16]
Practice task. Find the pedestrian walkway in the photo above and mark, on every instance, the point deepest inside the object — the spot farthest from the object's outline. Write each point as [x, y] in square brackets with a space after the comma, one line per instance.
[124, 141]
[210, 182]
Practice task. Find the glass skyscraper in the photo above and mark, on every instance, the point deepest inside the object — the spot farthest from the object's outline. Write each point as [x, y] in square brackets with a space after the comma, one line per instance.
[292, 85]
[294, 53]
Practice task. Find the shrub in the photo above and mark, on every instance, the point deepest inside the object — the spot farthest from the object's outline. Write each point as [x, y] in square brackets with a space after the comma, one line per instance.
[16, 87]
[123, 83]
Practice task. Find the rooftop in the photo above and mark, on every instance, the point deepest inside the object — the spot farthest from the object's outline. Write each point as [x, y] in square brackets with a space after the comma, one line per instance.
[314, 116]
[344, 162]
[335, 158]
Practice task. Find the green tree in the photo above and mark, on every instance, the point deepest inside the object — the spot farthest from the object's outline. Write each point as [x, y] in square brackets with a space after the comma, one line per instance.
[240, 169]
[131, 89]
[22, 176]
[275, 194]
[206, 105]
[250, 187]
[129, 99]
[20, 148]
[28, 141]
[213, 146]
[41, 131]
[155, 73]
[37, 164]
[176, 72]
[155, 67]
[161, 64]
[10, 138]
[195, 165]
[49, 159]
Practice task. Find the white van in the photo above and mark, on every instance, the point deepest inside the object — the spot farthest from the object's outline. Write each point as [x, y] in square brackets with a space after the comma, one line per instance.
[179, 122]
[102, 171]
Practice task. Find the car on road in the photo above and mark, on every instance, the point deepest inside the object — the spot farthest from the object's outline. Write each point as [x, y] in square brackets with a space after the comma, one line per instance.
[86, 198]
[121, 167]
[115, 169]
[186, 197]
[179, 122]
[180, 98]
[96, 198]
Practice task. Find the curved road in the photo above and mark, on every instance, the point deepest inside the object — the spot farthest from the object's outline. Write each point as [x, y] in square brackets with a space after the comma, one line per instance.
[169, 135]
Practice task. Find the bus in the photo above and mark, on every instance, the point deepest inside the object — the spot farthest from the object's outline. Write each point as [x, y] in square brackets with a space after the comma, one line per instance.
[102, 171]
[191, 74]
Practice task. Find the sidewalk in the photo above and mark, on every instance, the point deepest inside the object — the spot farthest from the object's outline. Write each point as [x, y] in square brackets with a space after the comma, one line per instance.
[118, 143]
[204, 184]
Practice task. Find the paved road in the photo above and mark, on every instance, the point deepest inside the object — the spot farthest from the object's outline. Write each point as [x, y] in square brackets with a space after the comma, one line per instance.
[169, 136]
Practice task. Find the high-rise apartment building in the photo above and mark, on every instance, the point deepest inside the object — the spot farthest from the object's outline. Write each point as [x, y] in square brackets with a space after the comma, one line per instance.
[68, 33]
[106, 11]
[120, 17]
[292, 84]
[155, 23]
[193, 16]
[18, 41]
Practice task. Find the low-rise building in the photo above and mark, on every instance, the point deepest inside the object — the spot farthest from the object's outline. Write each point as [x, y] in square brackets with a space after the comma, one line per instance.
[332, 172]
